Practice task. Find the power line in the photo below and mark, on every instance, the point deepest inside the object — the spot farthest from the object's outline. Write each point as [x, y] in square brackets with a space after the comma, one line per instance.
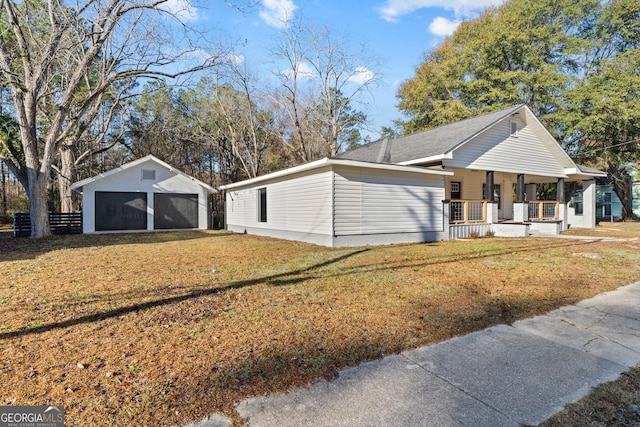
[610, 146]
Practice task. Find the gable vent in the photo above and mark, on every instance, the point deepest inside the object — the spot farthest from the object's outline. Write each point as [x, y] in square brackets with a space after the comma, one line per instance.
[148, 174]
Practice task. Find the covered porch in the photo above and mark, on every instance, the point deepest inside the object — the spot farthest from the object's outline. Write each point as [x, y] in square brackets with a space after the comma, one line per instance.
[512, 204]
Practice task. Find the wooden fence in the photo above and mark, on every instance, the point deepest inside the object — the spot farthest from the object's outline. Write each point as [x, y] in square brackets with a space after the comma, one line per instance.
[61, 223]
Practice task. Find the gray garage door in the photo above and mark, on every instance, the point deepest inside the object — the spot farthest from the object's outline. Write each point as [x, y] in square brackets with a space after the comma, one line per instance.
[175, 210]
[121, 211]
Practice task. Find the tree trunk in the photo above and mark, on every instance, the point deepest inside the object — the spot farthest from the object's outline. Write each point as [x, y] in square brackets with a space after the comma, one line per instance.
[3, 205]
[67, 175]
[38, 205]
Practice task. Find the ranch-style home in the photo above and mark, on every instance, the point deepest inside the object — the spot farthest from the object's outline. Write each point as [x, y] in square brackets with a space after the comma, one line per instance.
[479, 175]
[145, 194]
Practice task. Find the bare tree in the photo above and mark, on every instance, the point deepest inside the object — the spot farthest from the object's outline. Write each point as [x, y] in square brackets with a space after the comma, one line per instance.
[48, 52]
[324, 78]
[246, 126]
[88, 139]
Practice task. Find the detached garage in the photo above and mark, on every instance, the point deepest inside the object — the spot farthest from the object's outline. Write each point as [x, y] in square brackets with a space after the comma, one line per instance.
[145, 194]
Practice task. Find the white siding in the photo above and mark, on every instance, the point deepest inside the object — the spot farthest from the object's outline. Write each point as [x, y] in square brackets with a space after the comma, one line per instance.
[496, 150]
[299, 204]
[374, 202]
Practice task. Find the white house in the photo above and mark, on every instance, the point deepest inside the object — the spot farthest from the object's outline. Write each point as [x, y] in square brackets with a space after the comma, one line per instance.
[145, 194]
[478, 175]
[335, 202]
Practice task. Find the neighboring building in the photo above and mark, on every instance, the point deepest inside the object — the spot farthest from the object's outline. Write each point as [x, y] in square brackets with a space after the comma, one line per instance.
[475, 176]
[145, 194]
[608, 204]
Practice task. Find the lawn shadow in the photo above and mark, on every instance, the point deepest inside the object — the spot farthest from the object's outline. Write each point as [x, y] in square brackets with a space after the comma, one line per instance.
[22, 248]
[173, 300]
[286, 278]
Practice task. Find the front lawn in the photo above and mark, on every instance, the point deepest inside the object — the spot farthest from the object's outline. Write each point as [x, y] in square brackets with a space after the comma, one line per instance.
[165, 328]
[624, 230]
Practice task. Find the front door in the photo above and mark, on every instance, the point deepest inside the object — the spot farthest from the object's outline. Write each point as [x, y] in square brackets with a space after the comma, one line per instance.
[456, 190]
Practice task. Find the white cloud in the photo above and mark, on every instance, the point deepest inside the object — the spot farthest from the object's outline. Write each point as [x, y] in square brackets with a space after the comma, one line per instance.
[277, 13]
[361, 76]
[393, 9]
[182, 9]
[305, 71]
[234, 59]
[443, 27]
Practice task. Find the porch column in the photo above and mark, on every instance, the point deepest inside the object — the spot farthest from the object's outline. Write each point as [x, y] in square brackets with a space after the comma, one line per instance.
[562, 207]
[589, 203]
[490, 188]
[492, 208]
[520, 188]
[560, 191]
[446, 218]
[520, 207]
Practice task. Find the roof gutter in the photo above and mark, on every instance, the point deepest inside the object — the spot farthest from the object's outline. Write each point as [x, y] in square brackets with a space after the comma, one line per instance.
[430, 159]
[334, 162]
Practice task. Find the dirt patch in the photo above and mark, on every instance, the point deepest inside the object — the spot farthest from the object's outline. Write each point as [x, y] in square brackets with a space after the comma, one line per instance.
[138, 329]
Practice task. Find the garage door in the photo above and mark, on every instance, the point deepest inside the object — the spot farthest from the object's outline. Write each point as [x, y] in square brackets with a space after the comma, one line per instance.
[175, 210]
[121, 211]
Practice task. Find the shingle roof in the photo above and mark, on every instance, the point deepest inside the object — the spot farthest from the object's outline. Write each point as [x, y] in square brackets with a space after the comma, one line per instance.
[429, 143]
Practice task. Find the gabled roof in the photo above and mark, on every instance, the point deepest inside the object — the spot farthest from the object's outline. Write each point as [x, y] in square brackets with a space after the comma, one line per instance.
[430, 143]
[80, 184]
[438, 145]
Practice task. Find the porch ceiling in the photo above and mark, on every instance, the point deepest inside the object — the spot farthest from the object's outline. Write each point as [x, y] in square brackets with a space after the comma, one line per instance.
[528, 179]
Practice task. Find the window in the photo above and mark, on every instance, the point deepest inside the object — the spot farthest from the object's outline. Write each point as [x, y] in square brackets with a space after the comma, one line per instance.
[606, 203]
[576, 200]
[262, 205]
[456, 192]
[148, 174]
[513, 129]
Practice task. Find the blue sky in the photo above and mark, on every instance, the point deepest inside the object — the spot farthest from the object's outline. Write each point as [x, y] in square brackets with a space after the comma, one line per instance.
[397, 32]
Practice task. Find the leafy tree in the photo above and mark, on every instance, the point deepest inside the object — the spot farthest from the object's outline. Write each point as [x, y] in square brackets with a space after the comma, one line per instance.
[574, 63]
[520, 52]
[602, 112]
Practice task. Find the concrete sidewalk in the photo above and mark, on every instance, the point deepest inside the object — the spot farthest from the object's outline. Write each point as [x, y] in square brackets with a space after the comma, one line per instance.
[501, 376]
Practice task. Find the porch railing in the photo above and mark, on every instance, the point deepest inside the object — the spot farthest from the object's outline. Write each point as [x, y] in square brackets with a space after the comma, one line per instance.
[541, 210]
[468, 211]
